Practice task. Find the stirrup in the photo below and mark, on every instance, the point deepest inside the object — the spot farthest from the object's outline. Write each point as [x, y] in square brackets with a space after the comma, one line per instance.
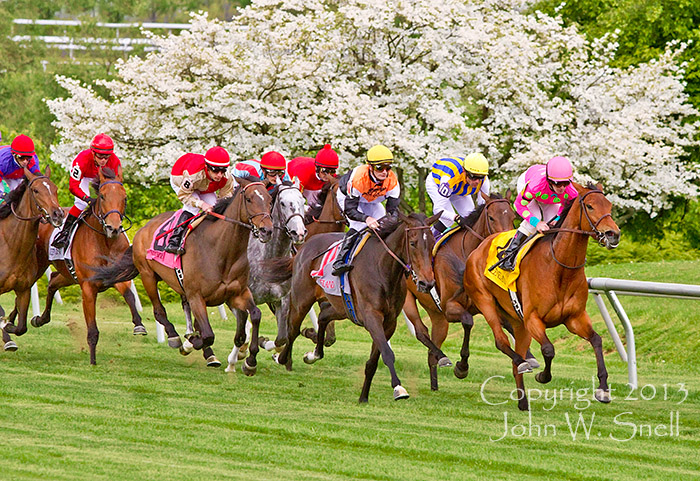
[176, 250]
[342, 269]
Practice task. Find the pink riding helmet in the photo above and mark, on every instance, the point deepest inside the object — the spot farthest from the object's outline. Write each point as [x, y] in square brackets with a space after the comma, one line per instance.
[559, 169]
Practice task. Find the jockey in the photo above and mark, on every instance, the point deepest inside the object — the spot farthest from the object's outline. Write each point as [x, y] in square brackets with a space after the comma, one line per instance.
[453, 184]
[314, 173]
[14, 158]
[360, 194]
[84, 170]
[542, 192]
[272, 167]
[196, 179]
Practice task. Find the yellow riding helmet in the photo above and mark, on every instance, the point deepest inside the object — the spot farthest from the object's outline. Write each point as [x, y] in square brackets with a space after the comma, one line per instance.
[476, 164]
[379, 155]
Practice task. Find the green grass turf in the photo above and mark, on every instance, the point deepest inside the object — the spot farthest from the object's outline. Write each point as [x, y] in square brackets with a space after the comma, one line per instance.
[146, 412]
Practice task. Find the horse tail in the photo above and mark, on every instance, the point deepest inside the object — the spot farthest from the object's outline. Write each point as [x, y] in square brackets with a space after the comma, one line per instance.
[277, 270]
[121, 270]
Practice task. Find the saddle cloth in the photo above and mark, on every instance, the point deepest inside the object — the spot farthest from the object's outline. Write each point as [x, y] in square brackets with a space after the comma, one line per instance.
[156, 251]
[443, 238]
[324, 274]
[506, 279]
[56, 254]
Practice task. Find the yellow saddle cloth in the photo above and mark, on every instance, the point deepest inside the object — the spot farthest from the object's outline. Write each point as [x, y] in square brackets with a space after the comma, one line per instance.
[449, 233]
[506, 279]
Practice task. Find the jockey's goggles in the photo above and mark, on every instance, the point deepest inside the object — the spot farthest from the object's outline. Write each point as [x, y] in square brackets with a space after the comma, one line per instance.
[325, 170]
[562, 183]
[101, 156]
[382, 167]
[275, 173]
[23, 158]
[471, 176]
[217, 170]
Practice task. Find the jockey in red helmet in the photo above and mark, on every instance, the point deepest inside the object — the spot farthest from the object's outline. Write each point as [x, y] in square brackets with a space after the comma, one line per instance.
[314, 173]
[14, 158]
[199, 181]
[272, 167]
[84, 170]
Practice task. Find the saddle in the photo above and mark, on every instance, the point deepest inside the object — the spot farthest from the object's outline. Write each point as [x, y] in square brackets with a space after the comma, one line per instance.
[506, 279]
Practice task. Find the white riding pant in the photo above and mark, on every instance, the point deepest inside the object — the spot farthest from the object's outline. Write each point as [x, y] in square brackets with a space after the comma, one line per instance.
[374, 209]
[544, 212]
[210, 198]
[453, 205]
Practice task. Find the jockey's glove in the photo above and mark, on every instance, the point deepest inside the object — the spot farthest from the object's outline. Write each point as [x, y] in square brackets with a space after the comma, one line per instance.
[88, 199]
[461, 221]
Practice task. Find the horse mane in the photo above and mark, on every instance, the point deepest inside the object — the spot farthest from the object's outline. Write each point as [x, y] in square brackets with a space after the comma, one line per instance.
[390, 223]
[12, 198]
[476, 213]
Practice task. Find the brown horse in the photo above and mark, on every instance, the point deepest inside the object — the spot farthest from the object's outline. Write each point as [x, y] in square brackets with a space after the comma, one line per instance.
[34, 200]
[552, 285]
[496, 215]
[330, 218]
[378, 288]
[98, 236]
[215, 266]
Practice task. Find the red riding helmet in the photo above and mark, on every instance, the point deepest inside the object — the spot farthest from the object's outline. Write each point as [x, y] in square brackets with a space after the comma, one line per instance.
[102, 144]
[217, 157]
[22, 145]
[327, 158]
[273, 161]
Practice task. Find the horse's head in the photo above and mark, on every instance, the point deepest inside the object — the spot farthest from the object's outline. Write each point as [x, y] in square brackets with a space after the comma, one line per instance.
[256, 208]
[596, 210]
[419, 246]
[498, 214]
[288, 213]
[111, 202]
[44, 196]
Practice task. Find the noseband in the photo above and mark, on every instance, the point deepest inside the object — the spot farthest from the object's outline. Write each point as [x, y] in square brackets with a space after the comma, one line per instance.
[251, 225]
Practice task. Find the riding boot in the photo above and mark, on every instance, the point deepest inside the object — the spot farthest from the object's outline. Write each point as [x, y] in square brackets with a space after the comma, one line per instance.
[438, 229]
[175, 243]
[340, 266]
[511, 252]
[61, 239]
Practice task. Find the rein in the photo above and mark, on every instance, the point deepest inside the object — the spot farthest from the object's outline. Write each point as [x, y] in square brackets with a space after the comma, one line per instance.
[408, 269]
[43, 215]
[488, 224]
[248, 225]
[102, 217]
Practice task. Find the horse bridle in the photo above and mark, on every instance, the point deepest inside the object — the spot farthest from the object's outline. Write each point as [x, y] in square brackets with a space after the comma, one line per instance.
[250, 225]
[102, 218]
[408, 269]
[285, 225]
[488, 223]
[43, 216]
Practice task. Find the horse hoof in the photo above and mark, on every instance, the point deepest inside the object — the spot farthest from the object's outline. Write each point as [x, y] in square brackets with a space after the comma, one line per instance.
[175, 342]
[140, 331]
[36, 321]
[329, 341]
[262, 340]
[524, 367]
[460, 373]
[186, 347]
[444, 362]
[541, 379]
[400, 393]
[230, 368]
[603, 396]
[212, 361]
[10, 346]
[309, 333]
[243, 352]
[533, 362]
[310, 357]
[3, 323]
[249, 370]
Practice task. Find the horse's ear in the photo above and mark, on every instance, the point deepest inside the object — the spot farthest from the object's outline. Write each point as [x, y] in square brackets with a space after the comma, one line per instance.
[402, 217]
[47, 171]
[599, 186]
[242, 181]
[433, 219]
[28, 173]
[509, 193]
[297, 184]
[119, 174]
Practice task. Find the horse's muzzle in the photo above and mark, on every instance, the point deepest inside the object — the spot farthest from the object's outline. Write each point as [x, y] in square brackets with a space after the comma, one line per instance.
[264, 234]
[611, 239]
[111, 232]
[56, 218]
[297, 237]
[424, 286]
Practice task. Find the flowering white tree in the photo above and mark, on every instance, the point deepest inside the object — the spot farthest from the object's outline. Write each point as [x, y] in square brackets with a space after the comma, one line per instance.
[426, 78]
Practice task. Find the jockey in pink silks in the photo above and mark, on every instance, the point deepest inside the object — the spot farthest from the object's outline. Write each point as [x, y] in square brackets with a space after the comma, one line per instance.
[543, 190]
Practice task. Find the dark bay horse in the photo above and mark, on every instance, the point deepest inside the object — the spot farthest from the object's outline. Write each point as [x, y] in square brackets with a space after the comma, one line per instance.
[34, 200]
[215, 266]
[552, 286]
[496, 215]
[98, 237]
[330, 218]
[377, 283]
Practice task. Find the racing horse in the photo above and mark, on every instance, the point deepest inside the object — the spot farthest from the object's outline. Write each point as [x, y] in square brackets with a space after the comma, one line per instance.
[215, 266]
[33, 201]
[553, 287]
[98, 236]
[495, 215]
[378, 288]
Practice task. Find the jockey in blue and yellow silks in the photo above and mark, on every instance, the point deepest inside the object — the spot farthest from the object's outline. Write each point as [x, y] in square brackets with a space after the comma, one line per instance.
[451, 184]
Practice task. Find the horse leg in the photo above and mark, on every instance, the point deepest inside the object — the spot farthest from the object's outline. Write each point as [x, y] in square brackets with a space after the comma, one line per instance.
[57, 281]
[297, 312]
[582, 327]
[150, 284]
[381, 331]
[462, 367]
[311, 334]
[239, 339]
[125, 290]
[325, 317]
[93, 334]
[370, 369]
[10, 345]
[281, 310]
[210, 358]
[204, 335]
[529, 357]
[522, 344]
[22, 299]
[537, 331]
[245, 301]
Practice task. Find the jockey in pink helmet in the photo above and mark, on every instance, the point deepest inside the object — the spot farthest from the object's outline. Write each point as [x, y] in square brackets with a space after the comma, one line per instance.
[543, 190]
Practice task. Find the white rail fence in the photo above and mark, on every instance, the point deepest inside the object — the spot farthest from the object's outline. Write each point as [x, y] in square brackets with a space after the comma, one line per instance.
[611, 288]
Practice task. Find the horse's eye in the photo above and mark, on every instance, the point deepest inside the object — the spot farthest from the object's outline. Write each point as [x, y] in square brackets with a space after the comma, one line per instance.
[589, 207]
